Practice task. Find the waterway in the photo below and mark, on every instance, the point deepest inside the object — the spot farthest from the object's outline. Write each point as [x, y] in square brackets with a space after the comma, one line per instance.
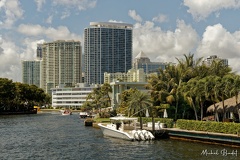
[56, 137]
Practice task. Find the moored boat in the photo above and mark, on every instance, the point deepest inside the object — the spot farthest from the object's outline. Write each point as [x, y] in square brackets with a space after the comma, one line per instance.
[83, 115]
[66, 112]
[124, 128]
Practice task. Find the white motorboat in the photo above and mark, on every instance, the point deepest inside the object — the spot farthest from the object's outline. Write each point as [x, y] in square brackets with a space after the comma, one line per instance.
[66, 112]
[124, 128]
[83, 115]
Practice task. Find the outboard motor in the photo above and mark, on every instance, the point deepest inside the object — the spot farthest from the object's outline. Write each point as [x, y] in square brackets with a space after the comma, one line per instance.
[140, 134]
[135, 135]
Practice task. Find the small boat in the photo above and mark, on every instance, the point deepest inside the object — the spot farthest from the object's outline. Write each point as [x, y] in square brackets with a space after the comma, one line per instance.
[124, 128]
[66, 112]
[83, 115]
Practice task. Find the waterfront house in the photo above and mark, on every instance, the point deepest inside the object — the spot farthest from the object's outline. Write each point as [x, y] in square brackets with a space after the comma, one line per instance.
[231, 107]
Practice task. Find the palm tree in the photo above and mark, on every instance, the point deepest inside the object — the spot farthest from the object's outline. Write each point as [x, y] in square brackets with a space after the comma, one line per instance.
[163, 87]
[123, 106]
[218, 68]
[221, 93]
[235, 91]
[210, 91]
[189, 94]
[106, 89]
[138, 102]
[200, 94]
[95, 98]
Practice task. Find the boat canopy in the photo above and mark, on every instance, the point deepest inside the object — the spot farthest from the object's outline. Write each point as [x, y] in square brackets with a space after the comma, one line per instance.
[122, 118]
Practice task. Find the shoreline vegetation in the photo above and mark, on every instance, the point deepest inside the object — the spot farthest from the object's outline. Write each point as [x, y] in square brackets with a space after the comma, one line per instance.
[185, 91]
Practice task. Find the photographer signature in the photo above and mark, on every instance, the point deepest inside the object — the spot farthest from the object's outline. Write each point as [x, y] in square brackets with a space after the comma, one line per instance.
[223, 152]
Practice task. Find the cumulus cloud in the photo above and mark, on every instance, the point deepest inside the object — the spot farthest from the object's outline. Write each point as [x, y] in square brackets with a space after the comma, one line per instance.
[200, 9]
[134, 15]
[160, 18]
[29, 52]
[218, 41]
[59, 33]
[11, 56]
[79, 4]
[164, 45]
[40, 4]
[9, 60]
[12, 11]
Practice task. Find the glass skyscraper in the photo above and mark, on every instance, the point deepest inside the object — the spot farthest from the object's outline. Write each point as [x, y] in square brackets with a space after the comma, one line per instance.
[107, 48]
[31, 72]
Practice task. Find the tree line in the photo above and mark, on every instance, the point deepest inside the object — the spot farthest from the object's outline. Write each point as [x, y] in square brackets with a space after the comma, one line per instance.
[16, 96]
[185, 90]
[191, 84]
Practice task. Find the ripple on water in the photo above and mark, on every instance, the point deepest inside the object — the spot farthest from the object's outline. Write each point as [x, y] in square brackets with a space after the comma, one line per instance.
[52, 136]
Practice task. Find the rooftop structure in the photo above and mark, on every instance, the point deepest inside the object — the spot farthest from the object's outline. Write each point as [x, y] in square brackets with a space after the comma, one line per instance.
[142, 61]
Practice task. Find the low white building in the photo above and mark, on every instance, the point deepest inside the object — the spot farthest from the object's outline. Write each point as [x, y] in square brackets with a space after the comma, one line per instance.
[71, 97]
[119, 87]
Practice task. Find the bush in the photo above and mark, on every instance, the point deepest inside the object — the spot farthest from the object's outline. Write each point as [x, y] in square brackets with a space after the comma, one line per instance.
[209, 126]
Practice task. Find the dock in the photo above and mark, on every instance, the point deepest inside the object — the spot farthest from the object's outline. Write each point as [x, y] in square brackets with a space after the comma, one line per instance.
[199, 136]
[206, 137]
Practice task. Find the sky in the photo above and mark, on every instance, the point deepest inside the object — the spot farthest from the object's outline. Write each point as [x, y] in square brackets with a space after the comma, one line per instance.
[163, 29]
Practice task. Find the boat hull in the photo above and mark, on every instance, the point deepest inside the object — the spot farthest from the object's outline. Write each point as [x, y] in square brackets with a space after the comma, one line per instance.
[115, 133]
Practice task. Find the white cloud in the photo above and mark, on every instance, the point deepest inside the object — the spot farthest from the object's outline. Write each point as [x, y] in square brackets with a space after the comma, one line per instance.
[40, 4]
[160, 18]
[79, 4]
[12, 12]
[9, 60]
[115, 21]
[218, 41]
[164, 45]
[59, 33]
[49, 19]
[200, 9]
[65, 14]
[11, 56]
[134, 15]
[29, 53]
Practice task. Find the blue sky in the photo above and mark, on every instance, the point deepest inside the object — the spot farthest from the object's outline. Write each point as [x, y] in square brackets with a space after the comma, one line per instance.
[163, 29]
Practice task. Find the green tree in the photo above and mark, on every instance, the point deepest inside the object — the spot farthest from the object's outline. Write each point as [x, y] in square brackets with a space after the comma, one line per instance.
[7, 93]
[138, 102]
[189, 94]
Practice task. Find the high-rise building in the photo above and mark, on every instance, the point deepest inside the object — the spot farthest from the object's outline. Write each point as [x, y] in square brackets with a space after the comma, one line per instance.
[208, 61]
[39, 51]
[142, 61]
[61, 64]
[31, 72]
[107, 48]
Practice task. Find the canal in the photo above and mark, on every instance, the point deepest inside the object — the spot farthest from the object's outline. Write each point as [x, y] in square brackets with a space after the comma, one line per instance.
[53, 136]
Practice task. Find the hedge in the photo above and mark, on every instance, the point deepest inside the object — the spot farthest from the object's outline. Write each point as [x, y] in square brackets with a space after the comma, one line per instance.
[209, 126]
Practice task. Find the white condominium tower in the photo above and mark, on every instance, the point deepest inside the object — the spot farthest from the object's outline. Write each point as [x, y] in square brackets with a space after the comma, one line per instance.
[61, 64]
[107, 48]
